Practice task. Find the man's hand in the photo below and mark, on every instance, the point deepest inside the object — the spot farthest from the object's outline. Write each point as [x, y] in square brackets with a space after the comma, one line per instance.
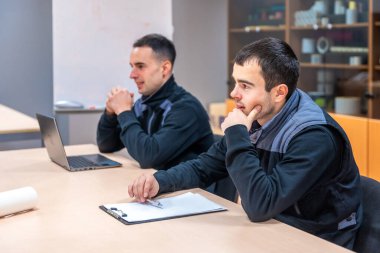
[237, 117]
[109, 109]
[119, 100]
[144, 187]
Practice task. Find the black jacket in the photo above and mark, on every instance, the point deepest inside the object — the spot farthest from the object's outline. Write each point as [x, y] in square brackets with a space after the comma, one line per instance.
[298, 168]
[164, 129]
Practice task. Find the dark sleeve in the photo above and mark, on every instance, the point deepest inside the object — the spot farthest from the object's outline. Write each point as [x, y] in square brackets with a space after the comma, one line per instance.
[108, 134]
[181, 128]
[309, 154]
[200, 172]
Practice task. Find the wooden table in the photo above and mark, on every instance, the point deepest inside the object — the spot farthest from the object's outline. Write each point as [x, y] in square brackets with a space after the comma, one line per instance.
[67, 217]
[16, 129]
[16, 122]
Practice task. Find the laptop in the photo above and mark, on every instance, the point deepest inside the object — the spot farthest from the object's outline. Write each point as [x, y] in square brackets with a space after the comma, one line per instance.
[52, 140]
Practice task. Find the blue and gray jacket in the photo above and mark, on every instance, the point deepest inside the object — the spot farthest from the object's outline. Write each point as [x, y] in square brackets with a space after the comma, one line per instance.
[164, 129]
[298, 168]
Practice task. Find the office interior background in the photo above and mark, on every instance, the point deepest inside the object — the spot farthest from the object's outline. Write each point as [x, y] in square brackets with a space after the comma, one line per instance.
[336, 41]
[29, 43]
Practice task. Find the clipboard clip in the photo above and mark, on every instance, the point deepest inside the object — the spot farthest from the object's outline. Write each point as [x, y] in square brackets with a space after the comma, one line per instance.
[117, 213]
[154, 203]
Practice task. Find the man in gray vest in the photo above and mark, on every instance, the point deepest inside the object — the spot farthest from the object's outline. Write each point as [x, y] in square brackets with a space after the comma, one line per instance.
[286, 156]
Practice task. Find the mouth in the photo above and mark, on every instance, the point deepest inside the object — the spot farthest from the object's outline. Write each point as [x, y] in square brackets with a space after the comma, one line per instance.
[140, 85]
[240, 106]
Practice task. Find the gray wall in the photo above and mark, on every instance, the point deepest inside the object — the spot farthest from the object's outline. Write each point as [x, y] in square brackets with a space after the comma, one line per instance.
[25, 62]
[26, 55]
[200, 37]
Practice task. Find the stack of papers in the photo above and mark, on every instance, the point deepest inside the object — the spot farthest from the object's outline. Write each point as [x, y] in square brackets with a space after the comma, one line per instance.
[172, 207]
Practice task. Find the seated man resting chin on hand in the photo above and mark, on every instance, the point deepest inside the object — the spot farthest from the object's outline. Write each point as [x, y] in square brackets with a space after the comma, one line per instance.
[286, 156]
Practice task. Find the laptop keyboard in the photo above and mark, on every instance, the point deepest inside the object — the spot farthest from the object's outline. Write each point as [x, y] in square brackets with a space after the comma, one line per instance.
[80, 162]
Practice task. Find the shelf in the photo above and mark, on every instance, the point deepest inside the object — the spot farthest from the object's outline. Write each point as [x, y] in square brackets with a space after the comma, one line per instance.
[359, 39]
[332, 66]
[348, 50]
[260, 28]
[329, 26]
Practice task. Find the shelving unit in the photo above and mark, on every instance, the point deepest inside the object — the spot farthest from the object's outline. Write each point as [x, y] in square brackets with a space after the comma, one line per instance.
[258, 28]
[332, 66]
[329, 26]
[251, 20]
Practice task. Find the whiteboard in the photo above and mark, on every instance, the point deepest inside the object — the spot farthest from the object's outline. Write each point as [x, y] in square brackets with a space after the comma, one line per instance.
[92, 41]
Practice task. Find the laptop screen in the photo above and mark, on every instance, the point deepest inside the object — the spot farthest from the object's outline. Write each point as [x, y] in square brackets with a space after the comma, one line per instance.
[52, 140]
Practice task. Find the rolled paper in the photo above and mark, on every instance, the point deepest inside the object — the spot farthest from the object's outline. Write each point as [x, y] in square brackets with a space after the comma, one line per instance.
[17, 200]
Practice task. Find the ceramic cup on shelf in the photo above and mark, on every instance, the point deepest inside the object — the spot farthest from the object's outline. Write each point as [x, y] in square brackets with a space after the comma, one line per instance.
[347, 105]
[324, 21]
[316, 58]
[355, 60]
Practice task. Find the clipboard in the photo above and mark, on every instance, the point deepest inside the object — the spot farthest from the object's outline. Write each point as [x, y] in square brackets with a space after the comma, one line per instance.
[183, 205]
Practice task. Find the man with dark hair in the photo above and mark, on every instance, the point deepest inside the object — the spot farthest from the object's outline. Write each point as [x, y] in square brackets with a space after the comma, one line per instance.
[167, 125]
[287, 157]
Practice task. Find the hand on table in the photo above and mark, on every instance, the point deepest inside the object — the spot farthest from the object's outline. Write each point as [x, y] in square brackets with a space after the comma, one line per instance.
[144, 187]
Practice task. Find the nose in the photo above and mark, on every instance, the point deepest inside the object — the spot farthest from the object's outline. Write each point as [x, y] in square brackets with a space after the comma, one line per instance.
[133, 74]
[234, 93]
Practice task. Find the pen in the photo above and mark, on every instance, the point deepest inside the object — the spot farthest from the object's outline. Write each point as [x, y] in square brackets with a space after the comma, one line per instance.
[155, 203]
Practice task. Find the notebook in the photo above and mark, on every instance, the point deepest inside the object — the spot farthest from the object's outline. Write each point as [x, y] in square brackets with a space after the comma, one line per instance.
[52, 140]
[183, 205]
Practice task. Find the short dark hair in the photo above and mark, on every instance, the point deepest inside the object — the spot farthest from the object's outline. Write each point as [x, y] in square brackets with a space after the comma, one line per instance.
[278, 62]
[161, 46]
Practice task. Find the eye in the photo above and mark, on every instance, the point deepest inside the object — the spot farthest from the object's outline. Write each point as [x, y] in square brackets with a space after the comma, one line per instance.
[244, 86]
[139, 66]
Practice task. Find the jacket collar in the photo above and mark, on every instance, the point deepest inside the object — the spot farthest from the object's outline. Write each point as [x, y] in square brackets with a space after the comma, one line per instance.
[276, 123]
[299, 112]
[163, 93]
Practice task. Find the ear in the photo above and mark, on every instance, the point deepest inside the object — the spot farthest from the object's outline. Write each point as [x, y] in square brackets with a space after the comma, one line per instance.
[166, 68]
[281, 91]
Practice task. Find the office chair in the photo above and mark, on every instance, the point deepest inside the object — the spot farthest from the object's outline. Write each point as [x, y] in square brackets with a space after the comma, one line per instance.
[368, 237]
[224, 187]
